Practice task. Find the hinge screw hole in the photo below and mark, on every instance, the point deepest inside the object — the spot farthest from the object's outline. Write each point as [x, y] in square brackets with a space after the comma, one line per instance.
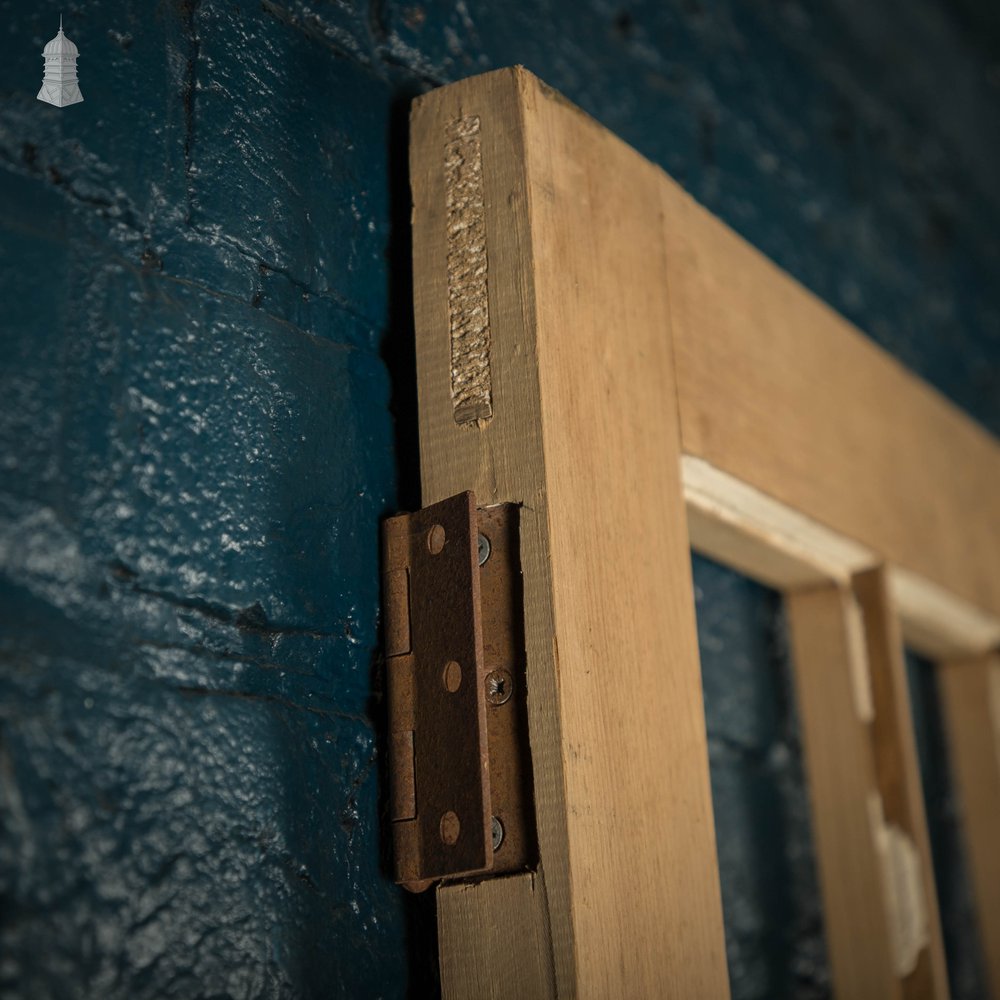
[450, 828]
[497, 830]
[452, 676]
[484, 549]
[435, 539]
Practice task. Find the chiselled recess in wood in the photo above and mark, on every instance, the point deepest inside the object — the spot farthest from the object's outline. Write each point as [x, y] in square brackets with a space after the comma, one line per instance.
[595, 346]
[468, 305]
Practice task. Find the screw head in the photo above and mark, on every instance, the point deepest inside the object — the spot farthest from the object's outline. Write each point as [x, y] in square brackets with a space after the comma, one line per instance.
[499, 687]
[497, 831]
[484, 549]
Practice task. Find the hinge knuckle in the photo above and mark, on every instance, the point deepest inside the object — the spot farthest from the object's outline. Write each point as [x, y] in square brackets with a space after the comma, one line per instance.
[400, 685]
[396, 590]
[402, 788]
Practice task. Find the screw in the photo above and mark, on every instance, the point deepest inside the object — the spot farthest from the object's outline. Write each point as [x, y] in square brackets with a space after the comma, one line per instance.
[497, 833]
[484, 549]
[499, 687]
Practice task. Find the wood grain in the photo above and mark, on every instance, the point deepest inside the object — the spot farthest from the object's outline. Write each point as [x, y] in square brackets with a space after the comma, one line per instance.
[970, 694]
[842, 790]
[595, 346]
[765, 539]
[783, 394]
[897, 770]
[584, 434]
[504, 948]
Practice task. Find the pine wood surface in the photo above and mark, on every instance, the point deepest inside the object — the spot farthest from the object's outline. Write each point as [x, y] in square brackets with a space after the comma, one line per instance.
[584, 434]
[897, 769]
[783, 548]
[835, 710]
[595, 346]
[782, 393]
[970, 694]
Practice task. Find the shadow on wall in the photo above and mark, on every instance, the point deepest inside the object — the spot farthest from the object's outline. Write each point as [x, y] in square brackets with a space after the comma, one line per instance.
[398, 352]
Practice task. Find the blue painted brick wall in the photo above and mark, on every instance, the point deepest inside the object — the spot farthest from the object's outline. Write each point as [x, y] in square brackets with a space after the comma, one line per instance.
[206, 405]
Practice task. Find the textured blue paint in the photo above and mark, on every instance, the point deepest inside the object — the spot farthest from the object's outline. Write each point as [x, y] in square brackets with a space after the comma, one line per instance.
[197, 451]
[206, 404]
[774, 924]
[966, 965]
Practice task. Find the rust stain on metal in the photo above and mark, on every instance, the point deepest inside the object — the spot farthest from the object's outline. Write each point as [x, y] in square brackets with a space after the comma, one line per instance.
[501, 589]
[459, 755]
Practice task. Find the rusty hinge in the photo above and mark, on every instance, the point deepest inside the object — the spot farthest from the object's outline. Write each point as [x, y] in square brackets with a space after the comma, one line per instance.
[460, 772]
